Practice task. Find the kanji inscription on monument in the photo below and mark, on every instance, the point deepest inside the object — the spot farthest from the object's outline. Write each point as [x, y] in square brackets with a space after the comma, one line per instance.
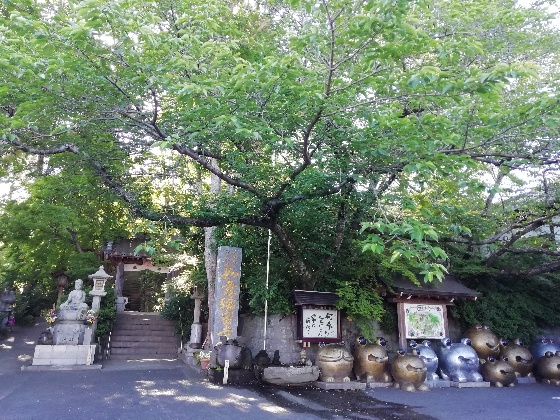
[228, 276]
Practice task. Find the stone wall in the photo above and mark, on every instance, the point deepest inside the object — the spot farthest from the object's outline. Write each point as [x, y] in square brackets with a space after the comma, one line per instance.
[281, 335]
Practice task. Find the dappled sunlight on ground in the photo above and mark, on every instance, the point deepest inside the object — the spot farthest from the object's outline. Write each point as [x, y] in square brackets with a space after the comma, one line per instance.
[25, 358]
[114, 398]
[142, 389]
[184, 382]
[271, 408]
[234, 402]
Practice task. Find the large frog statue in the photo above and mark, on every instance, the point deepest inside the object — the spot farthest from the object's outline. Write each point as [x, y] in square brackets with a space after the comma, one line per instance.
[518, 356]
[335, 363]
[409, 371]
[459, 362]
[498, 372]
[484, 341]
[548, 368]
[370, 362]
[543, 345]
[429, 356]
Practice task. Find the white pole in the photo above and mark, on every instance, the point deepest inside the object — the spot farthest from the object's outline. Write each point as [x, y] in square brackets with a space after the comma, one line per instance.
[266, 299]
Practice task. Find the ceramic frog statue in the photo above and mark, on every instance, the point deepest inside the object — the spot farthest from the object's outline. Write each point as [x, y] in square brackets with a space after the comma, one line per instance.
[459, 362]
[409, 371]
[518, 356]
[484, 341]
[370, 360]
[429, 356]
[548, 368]
[498, 372]
[335, 363]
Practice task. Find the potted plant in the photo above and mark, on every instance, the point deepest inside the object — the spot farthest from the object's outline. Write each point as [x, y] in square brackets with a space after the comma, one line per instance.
[203, 359]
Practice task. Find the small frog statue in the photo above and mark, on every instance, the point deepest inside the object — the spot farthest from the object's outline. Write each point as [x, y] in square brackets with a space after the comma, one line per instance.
[548, 368]
[429, 356]
[371, 361]
[409, 371]
[498, 372]
[543, 345]
[518, 356]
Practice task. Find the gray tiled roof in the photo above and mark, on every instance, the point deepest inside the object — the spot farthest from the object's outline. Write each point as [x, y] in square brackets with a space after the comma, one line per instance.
[448, 287]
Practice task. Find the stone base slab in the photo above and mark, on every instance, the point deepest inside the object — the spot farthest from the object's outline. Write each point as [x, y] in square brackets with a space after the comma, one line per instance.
[379, 384]
[290, 375]
[442, 383]
[64, 355]
[470, 384]
[526, 381]
[57, 368]
[345, 386]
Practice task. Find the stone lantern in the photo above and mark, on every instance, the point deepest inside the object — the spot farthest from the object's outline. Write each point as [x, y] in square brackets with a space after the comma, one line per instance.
[99, 279]
[61, 284]
[196, 327]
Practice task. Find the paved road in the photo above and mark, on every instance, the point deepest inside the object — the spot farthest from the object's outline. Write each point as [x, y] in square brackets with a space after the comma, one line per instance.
[173, 390]
[169, 390]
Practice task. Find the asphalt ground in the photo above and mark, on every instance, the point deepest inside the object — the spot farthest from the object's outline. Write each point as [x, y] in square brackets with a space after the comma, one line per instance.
[173, 390]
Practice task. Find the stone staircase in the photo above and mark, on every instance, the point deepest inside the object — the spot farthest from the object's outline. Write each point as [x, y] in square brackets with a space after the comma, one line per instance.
[143, 335]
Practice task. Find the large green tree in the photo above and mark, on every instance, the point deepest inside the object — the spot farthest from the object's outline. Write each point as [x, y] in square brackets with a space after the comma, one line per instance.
[315, 115]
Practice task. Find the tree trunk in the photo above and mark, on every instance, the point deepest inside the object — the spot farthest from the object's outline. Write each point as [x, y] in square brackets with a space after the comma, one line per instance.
[210, 263]
[211, 258]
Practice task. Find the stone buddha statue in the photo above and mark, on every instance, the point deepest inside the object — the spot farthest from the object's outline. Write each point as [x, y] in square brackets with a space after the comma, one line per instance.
[75, 308]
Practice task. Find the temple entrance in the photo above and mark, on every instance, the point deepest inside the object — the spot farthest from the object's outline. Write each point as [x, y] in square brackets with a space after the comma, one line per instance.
[132, 290]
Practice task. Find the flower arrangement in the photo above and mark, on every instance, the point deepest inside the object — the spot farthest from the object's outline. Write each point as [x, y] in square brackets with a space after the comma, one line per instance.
[91, 317]
[202, 355]
[50, 316]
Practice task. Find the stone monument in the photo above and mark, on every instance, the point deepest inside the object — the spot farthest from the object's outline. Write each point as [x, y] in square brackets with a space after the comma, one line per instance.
[228, 274]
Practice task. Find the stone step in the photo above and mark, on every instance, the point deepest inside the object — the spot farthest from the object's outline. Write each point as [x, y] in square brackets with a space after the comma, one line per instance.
[124, 357]
[143, 335]
[163, 338]
[144, 352]
[134, 314]
[142, 330]
[142, 344]
[137, 319]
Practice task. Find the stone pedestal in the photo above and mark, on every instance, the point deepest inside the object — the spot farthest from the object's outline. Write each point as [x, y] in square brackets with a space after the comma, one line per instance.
[440, 383]
[69, 333]
[120, 303]
[470, 384]
[196, 336]
[379, 384]
[63, 355]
